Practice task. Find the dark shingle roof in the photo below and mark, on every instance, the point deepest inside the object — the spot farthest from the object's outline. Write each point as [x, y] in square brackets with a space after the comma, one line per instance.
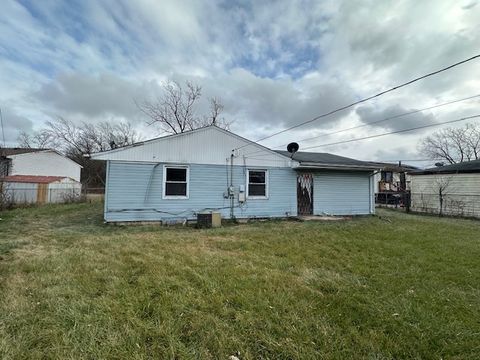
[386, 166]
[18, 151]
[326, 159]
[463, 167]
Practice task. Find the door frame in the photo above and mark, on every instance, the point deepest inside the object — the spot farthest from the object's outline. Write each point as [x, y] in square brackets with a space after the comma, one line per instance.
[305, 193]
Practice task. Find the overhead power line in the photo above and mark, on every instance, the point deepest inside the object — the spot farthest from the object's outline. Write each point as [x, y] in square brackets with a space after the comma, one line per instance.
[366, 99]
[389, 118]
[393, 132]
[376, 122]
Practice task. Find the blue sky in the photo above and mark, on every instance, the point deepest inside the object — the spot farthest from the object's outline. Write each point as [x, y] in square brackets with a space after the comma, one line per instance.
[272, 64]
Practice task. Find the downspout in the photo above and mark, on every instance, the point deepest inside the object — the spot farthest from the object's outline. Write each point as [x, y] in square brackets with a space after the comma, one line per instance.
[371, 186]
[105, 205]
[149, 185]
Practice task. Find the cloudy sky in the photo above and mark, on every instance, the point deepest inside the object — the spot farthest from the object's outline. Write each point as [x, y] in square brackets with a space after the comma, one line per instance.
[272, 65]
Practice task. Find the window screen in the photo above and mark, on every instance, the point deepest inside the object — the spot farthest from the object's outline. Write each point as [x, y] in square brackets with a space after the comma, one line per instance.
[175, 181]
[257, 183]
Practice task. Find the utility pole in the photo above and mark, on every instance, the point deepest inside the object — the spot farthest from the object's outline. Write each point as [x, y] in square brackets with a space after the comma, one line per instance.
[3, 130]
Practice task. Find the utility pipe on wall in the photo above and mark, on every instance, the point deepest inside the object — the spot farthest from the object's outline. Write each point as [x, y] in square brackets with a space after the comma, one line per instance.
[231, 191]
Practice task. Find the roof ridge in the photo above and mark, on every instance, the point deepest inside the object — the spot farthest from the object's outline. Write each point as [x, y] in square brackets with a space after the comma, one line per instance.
[325, 158]
[464, 166]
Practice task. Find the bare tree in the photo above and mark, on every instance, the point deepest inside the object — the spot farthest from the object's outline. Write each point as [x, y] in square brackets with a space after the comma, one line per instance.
[78, 140]
[473, 140]
[174, 112]
[40, 140]
[216, 108]
[89, 138]
[215, 118]
[441, 184]
[453, 144]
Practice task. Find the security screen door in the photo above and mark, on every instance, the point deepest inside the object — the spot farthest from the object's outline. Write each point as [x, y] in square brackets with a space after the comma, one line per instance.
[305, 194]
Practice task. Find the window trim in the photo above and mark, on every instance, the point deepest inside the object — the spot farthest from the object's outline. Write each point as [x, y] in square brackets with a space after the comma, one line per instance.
[383, 176]
[266, 184]
[164, 181]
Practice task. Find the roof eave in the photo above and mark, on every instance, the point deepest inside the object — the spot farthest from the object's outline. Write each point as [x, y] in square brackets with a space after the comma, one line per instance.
[446, 172]
[45, 151]
[310, 165]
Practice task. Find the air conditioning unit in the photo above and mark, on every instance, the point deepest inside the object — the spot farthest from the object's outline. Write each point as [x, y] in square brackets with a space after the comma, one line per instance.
[209, 219]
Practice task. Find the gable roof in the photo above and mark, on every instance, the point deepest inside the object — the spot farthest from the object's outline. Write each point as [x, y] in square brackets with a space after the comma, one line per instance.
[32, 179]
[144, 142]
[206, 145]
[167, 137]
[6, 152]
[18, 151]
[327, 160]
[463, 167]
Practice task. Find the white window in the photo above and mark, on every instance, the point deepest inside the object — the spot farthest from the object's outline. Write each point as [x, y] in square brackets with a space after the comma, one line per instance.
[175, 182]
[257, 184]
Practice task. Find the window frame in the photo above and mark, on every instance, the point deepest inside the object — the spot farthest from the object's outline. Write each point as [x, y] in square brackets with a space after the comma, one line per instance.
[383, 176]
[164, 182]
[266, 185]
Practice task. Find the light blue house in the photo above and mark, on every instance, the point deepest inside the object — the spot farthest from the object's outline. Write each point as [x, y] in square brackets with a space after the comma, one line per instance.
[178, 176]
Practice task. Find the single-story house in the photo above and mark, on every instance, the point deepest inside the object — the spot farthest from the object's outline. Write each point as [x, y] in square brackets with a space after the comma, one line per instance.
[450, 190]
[28, 189]
[37, 162]
[212, 169]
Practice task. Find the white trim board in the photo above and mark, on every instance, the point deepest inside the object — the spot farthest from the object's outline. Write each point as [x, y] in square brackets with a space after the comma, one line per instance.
[164, 181]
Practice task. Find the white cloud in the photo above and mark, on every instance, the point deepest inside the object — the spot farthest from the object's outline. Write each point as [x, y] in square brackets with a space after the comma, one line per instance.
[94, 96]
[272, 64]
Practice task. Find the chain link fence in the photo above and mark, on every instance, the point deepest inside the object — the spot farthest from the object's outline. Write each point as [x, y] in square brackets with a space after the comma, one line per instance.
[451, 204]
[393, 199]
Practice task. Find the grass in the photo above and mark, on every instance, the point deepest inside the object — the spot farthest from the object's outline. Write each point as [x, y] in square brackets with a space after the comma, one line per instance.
[71, 287]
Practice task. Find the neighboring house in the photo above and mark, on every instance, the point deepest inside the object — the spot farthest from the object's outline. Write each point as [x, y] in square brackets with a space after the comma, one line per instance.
[38, 175]
[391, 181]
[39, 162]
[178, 176]
[25, 189]
[451, 190]
[392, 177]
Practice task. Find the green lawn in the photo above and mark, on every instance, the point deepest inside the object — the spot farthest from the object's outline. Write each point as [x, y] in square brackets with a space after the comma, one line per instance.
[400, 286]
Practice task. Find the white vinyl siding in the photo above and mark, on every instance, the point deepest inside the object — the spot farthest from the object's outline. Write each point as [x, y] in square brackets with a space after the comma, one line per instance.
[461, 196]
[209, 145]
[44, 163]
